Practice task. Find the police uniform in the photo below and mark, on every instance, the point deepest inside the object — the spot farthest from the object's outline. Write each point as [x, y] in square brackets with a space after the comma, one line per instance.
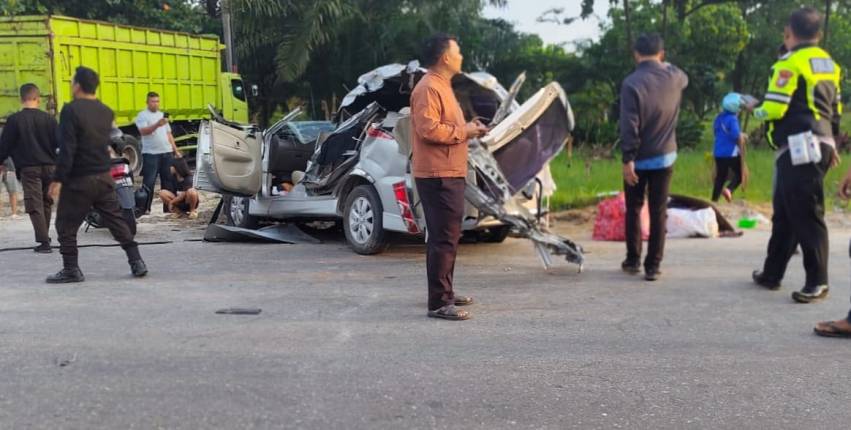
[803, 96]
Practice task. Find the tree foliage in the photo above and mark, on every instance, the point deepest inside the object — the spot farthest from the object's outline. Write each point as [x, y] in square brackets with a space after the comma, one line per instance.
[179, 15]
[311, 52]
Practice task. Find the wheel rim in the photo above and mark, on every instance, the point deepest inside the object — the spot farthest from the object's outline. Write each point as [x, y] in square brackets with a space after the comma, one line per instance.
[129, 152]
[237, 210]
[361, 220]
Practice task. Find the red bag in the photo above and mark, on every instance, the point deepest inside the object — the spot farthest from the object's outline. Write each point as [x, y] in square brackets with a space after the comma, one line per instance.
[610, 223]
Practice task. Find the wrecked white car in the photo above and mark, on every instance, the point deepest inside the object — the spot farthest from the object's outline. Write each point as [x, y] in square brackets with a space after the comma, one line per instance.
[359, 174]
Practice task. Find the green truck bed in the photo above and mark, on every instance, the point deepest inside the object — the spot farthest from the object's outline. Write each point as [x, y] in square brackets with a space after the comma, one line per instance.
[184, 69]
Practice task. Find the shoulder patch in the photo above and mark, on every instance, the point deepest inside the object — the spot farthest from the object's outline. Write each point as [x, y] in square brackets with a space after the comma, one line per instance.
[783, 78]
[822, 65]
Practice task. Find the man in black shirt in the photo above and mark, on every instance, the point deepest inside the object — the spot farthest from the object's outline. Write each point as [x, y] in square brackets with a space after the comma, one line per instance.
[82, 179]
[29, 138]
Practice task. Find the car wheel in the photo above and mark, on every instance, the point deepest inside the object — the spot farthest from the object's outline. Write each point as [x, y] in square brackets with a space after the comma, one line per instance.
[495, 234]
[236, 210]
[362, 221]
[129, 148]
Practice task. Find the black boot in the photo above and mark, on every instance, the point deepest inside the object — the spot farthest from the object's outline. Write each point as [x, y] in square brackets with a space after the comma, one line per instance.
[66, 276]
[760, 279]
[138, 268]
[43, 248]
[631, 267]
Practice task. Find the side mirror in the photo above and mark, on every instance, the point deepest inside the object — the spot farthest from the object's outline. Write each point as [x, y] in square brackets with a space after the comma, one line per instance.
[255, 91]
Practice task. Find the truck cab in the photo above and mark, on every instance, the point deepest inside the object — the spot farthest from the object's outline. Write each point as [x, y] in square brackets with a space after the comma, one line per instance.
[234, 103]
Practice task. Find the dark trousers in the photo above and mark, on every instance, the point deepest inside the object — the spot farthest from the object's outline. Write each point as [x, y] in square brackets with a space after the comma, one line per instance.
[443, 205]
[37, 202]
[723, 167]
[154, 165]
[78, 196]
[799, 219]
[655, 185]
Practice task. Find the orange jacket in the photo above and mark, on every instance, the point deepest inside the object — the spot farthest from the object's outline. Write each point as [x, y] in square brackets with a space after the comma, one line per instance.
[439, 139]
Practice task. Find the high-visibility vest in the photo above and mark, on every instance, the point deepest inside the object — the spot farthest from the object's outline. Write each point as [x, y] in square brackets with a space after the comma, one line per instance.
[803, 95]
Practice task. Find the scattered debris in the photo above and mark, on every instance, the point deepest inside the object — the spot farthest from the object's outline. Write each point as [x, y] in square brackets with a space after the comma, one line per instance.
[239, 311]
[279, 233]
[63, 362]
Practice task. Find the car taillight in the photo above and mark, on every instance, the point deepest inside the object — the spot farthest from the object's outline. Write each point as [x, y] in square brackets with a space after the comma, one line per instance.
[401, 193]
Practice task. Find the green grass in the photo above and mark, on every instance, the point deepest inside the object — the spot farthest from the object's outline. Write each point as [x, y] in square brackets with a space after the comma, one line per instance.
[583, 177]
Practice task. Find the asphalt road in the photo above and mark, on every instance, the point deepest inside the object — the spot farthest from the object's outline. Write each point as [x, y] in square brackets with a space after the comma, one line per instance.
[343, 341]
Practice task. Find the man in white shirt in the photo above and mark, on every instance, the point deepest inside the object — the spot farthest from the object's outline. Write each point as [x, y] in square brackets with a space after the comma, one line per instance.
[158, 147]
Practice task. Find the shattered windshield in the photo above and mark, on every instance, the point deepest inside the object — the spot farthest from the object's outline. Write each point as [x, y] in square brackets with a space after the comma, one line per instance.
[308, 131]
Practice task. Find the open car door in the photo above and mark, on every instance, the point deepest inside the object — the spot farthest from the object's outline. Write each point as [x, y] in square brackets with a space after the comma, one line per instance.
[509, 157]
[229, 159]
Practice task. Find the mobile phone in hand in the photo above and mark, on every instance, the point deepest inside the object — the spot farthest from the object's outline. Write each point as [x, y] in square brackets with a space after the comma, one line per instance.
[165, 115]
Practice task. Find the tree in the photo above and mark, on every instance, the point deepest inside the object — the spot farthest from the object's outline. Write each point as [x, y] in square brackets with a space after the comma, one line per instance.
[179, 15]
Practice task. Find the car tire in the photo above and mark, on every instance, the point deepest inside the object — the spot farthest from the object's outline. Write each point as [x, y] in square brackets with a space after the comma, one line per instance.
[130, 148]
[495, 234]
[362, 221]
[236, 211]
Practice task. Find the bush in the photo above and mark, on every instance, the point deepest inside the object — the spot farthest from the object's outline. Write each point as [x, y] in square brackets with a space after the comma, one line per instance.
[690, 130]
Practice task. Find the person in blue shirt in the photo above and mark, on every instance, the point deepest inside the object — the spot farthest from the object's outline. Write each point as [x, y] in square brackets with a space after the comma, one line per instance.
[729, 149]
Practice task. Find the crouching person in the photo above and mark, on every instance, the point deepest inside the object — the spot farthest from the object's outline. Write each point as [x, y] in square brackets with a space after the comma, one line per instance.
[183, 200]
[83, 181]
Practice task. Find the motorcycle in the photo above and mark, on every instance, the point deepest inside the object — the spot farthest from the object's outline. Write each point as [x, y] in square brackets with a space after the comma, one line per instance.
[122, 175]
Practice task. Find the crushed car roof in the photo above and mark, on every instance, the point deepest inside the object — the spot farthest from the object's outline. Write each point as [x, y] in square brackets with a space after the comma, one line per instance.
[375, 80]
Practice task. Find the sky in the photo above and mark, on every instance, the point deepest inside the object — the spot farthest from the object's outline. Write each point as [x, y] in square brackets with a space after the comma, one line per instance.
[524, 13]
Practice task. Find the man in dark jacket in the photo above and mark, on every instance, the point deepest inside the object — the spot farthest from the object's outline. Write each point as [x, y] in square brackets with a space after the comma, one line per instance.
[650, 106]
[29, 138]
[82, 179]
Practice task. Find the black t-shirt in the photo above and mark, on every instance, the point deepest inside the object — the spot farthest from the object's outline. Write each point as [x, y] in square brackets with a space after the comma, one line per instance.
[29, 138]
[84, 129]
[183, 184]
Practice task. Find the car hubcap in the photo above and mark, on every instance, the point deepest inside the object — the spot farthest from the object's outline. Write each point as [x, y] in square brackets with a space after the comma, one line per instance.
[237, 210]
[361, 220]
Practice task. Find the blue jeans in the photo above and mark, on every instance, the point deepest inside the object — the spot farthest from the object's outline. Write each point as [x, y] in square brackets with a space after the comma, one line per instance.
[153, 165]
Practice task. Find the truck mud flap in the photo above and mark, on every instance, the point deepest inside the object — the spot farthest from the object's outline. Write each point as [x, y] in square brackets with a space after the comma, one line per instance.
[493, 203]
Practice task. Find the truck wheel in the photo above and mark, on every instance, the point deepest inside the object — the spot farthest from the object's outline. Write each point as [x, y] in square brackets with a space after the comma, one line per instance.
[362, 221]
[495, 234]
[130, 148]
[236, 210]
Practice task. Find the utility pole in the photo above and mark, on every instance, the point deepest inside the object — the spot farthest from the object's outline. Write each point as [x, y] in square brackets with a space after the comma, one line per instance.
[231, 66]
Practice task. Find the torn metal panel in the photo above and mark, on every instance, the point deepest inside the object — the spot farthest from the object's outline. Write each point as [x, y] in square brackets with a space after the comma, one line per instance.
[496, 203]
[279, 233]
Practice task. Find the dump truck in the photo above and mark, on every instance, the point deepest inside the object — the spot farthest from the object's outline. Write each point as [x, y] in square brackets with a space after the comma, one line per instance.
[184, 69]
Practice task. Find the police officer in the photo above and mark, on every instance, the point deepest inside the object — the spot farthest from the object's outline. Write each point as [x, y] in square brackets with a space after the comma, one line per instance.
[802, 107]
[82, 180]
